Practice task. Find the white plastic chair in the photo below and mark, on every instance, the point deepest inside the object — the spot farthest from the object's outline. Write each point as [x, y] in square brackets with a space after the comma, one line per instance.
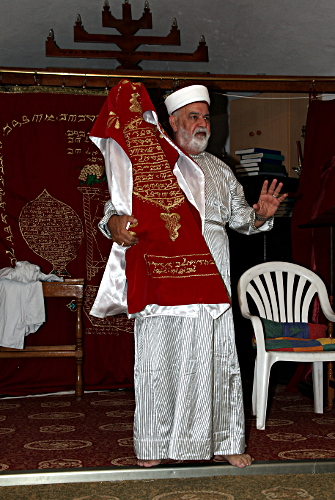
[282, 292]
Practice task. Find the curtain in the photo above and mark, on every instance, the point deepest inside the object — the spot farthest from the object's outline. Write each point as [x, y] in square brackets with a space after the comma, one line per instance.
[52, 193]
[316, 192]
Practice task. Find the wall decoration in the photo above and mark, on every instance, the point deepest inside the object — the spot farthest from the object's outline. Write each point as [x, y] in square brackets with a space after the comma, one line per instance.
[128, 56]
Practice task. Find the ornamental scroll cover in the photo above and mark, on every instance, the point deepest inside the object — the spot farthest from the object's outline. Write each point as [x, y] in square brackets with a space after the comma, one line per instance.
[153, 179]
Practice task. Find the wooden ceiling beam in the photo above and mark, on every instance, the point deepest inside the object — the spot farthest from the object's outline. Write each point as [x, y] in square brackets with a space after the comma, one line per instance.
[67, 77]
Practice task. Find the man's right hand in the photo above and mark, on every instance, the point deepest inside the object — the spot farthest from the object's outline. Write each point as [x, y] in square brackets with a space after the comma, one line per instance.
[117, 226]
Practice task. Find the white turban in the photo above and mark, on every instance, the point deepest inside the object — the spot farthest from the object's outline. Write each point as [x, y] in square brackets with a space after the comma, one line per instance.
[186, 95]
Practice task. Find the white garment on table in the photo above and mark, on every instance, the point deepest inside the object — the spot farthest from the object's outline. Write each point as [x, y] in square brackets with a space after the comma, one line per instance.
[21, 302]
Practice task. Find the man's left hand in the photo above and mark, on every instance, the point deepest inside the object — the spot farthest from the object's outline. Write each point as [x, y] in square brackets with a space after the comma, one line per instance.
[269, 199]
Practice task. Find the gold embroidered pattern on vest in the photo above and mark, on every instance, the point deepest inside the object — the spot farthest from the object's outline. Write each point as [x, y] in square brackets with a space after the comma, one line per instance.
[153, 179]
[113, 120]
[172, 224]
[135, 105]
[180, 266]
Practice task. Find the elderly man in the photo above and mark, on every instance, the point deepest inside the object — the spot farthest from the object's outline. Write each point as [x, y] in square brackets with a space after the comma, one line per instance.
[188, 391]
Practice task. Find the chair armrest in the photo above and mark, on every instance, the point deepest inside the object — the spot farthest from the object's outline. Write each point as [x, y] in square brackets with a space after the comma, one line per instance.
[323, 297]
[259, 332]
[327, 308]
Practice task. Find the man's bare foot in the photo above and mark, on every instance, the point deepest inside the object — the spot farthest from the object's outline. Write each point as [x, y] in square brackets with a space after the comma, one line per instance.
[242, 460]
[148, 463]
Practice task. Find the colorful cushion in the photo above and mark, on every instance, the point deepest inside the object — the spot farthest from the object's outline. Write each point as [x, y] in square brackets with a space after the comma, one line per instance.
[303, 345]
[296, 337]
[274, 330]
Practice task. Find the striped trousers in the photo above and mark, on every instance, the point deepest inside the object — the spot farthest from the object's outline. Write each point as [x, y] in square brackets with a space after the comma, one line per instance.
[187, 387]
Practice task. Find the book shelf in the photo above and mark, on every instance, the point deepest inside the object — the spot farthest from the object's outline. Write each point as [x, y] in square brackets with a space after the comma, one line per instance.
[269, 120]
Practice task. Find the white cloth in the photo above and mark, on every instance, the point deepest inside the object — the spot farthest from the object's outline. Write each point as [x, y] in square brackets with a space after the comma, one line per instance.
[21, 302]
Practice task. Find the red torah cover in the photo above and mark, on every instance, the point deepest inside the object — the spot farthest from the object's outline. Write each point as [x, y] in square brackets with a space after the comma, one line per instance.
[171, 265]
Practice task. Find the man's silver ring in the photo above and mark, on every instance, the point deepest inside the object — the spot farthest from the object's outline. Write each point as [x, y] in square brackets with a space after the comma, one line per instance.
[275, 195]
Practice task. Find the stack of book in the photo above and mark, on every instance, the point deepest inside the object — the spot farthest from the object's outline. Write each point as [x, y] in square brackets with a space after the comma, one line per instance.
[260, 161]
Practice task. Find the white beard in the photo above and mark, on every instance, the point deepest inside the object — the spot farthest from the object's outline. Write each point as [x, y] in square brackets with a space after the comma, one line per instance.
[193, 141]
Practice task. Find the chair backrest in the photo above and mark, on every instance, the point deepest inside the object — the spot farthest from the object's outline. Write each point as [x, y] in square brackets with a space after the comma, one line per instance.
[280, 291]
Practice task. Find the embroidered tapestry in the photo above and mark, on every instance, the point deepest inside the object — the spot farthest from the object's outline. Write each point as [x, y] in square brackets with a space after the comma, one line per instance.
[52, 194]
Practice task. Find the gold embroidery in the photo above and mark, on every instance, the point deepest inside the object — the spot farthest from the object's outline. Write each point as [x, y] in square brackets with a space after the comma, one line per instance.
[180, 266]
[172, 224]
[94, 169]
[113, 120]
[132, 126]
[50, 90]
[77, 136]
[154, 181]
[12, 257]
[9, 231]
[134, 85]
[53, 230]
[135, 105]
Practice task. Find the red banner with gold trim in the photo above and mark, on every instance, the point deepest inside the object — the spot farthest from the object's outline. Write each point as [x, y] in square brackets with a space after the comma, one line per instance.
[52, 193]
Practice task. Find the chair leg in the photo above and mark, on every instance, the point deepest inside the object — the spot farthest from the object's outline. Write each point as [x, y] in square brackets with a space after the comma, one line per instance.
[79, 378]
[318, 386]
[254, 391]
[263, 375]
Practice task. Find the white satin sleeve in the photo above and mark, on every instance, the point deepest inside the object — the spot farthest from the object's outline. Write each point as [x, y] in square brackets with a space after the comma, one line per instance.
[112, 294]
